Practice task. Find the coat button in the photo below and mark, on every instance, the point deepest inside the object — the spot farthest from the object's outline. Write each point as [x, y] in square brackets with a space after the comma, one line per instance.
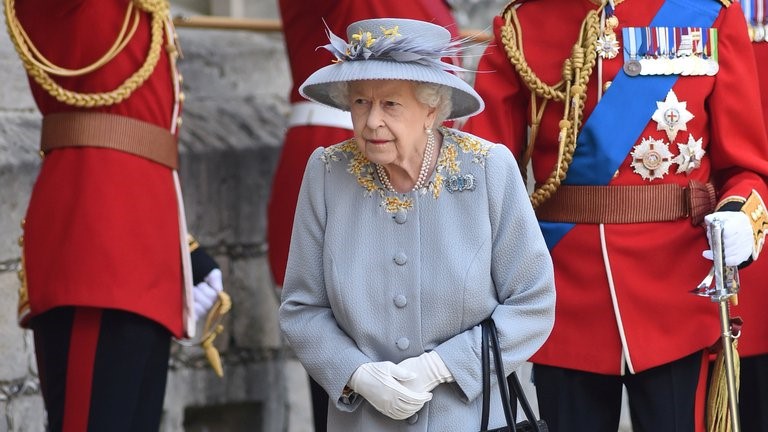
[400, 301]
[401, 216]
[400, 258]
[403, 343]
[413, 419]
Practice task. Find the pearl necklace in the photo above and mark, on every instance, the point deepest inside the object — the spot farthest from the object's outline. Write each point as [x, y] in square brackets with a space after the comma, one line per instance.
[425, 163]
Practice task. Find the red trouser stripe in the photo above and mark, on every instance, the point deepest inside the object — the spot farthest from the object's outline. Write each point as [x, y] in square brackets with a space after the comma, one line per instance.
[81, 358]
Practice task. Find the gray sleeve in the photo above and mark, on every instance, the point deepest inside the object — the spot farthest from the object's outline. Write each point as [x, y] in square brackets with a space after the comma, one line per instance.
[328, 354]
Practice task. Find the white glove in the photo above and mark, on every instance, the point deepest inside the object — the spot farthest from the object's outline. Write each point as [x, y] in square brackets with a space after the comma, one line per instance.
[738, 241]
[206, 292]
[429, 369]
[380, 384]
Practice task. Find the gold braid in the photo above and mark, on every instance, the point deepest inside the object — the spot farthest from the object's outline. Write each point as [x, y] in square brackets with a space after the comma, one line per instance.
[571, 90]
[39, 68]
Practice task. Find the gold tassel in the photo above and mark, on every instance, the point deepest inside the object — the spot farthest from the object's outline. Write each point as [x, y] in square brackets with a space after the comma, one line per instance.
[718, 416]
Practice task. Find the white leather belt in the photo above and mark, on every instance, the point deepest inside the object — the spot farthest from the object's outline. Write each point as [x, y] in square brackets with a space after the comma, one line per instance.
[315, 114]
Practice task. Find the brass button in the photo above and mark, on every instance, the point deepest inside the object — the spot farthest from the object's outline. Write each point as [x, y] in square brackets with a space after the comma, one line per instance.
[606, 85]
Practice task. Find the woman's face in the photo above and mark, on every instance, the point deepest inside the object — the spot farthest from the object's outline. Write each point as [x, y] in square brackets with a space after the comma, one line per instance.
[389, 121]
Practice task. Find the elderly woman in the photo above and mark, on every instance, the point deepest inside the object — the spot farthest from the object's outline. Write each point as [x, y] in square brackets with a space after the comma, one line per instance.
[406, 238]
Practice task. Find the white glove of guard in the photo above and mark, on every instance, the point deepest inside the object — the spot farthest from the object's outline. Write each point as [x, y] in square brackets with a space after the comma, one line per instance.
[429, 369]
[380, 384]
[738, 239]
[206, 292]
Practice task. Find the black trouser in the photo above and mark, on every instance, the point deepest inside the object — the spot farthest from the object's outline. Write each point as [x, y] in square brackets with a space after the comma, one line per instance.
[101, 369]
[661, 399]
[753, 394]
[319, 405]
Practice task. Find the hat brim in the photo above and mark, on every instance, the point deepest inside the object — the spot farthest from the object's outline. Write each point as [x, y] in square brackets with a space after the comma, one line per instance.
[464, 99]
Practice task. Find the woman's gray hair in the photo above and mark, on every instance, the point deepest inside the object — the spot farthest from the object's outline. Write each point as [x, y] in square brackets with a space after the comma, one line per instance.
[433, 95]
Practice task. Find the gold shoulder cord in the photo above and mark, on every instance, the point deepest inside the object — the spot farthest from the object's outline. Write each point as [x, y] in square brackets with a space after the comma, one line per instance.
[41, 69]
[571, 90]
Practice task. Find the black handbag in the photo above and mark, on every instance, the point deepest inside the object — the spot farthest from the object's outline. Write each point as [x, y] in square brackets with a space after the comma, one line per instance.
[490, 341]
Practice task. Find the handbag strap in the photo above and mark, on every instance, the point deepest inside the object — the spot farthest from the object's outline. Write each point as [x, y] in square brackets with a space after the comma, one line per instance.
[500, 376]
[517, 393]
[490, 342]
[507, 385]
[485, 363]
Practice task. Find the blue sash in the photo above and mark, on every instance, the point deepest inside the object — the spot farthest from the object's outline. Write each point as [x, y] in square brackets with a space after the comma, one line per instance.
[623, 112]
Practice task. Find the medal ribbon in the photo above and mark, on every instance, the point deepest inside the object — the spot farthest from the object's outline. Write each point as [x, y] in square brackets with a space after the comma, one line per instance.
[609, 133]
[663, 35]
[746, 7]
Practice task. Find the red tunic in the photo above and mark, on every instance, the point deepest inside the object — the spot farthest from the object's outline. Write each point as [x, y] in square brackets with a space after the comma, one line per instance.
[629, 302]
[304, 32]
[102, 227]
[753, 298]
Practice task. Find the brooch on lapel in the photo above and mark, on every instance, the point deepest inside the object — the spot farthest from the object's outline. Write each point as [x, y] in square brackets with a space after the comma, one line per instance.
[460, 183]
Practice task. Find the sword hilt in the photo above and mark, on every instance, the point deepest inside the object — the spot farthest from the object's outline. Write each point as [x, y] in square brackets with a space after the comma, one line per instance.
[726, 287]
[726, 277]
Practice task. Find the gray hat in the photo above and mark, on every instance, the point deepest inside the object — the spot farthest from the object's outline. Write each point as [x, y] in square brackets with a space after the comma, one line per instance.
[393, 49]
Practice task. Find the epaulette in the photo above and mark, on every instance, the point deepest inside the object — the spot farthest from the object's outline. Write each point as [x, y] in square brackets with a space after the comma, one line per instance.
[512, 4]
[725, 3]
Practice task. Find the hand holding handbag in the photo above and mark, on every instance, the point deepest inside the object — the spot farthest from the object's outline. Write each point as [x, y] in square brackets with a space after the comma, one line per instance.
[490, 341]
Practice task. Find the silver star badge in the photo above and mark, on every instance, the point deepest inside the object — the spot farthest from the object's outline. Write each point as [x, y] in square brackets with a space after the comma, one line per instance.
[690, 155]
[651, 159]
[607, 46]
[671, 115]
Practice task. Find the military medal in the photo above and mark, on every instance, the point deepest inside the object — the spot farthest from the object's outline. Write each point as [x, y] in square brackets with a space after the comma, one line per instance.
[670, 51]
[754, 13]
[632, 66]
[759, 33]
[650, 63]
[607, 46]
[651, 159]
[665, 57]
[690, 155]
[671, 115]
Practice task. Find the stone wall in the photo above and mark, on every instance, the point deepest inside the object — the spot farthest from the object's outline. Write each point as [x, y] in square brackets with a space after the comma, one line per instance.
[236, 85]
[20, 403]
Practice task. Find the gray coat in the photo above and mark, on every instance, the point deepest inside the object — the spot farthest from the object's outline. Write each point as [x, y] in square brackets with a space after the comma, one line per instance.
[374, 276]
